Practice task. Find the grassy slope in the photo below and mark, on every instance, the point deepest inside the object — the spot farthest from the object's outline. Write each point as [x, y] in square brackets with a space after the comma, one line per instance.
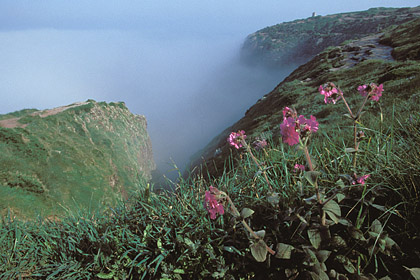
[85, 156]
[300, 40]
[170, 236]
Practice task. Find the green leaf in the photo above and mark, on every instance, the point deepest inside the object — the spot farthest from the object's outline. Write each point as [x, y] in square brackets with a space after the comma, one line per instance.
[323, 255]
[246, 212]
[319, 276]
[338, 242]
[389, 242]
[356, 233]
[340, 197]
[350, 150]
[179, 271]
[312, 176]
[333, 207]
[232, 249]
[315, 237]
[376, 226]
[284, 251]
[259, 251]
[415, 272]
[105, 275]
[260, 233]
[345, 261]
[348, 116]
[340, 184]
[333, 210]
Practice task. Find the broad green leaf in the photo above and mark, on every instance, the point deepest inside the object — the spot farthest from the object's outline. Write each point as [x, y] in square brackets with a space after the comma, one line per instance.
[315, 237]
[323, 255]
[105, 275]
[284, 251]
[312, 256]
[332, 217]
[376, 226]
[259, 251]
[356, 233]
[338, 242]
[415, 272]
[340, 197]
[312, 176]
[246, 212]
[321, 275]
[179, 271]
[333, 207]
[389, 242]
[345, 261]
[260, 233]
[340, 183]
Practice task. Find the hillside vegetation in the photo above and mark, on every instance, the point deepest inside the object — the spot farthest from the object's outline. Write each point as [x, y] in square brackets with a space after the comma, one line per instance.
[303, 192]
[82, 155]
[298, 41]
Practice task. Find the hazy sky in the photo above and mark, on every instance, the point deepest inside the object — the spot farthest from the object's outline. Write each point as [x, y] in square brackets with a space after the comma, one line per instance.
[176, 62]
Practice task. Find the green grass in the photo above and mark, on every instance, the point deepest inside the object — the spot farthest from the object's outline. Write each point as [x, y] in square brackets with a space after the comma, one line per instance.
[170, 235]
[90, 153]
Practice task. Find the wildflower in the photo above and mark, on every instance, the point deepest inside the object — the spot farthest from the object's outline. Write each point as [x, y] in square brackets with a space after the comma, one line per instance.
[235, 139]
[330, 92]
[212, 204]
[360, 179]
[288, 131]
[287, 112]
[374, 91]
[299, 167]
[260, 144]
[311, 124]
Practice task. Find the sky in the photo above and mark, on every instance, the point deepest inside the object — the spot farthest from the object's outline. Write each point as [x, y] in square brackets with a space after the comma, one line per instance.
[176, 62]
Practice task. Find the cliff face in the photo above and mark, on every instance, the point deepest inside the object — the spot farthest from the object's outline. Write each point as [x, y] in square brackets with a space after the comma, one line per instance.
[298, 41]
[391, 59]
[86, 155]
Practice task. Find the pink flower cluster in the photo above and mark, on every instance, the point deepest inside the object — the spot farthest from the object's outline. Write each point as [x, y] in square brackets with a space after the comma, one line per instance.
[374, 91]
[293, 128]
[330, 92]
[235, 139]
[212, 204]
[360, 179]
[299, 167]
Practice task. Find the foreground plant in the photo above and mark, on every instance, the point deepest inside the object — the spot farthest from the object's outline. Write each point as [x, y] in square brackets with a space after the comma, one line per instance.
[330, 230]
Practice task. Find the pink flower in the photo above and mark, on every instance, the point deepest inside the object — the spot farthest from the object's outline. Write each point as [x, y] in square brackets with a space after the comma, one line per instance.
[235, 139]
[287, 112]
[211, 203]
[292, 129]
[330, 92]
[374, 91]
[299, 167]
[311, 124]
[288, 131]
[360, 179]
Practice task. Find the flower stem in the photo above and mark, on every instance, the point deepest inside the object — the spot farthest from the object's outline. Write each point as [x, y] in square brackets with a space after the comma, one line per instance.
[244, 223]
[248, 149]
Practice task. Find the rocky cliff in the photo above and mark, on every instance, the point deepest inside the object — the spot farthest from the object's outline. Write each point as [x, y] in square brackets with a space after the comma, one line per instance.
[82, 155]
[391, 58]
[298, 41]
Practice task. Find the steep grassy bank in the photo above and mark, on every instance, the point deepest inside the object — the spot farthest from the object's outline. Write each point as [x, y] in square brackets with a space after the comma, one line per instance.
[82, 155]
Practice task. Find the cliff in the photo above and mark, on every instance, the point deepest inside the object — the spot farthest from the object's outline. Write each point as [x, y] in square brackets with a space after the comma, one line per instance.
[298, 41]
[391, 58]
[82, 155]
